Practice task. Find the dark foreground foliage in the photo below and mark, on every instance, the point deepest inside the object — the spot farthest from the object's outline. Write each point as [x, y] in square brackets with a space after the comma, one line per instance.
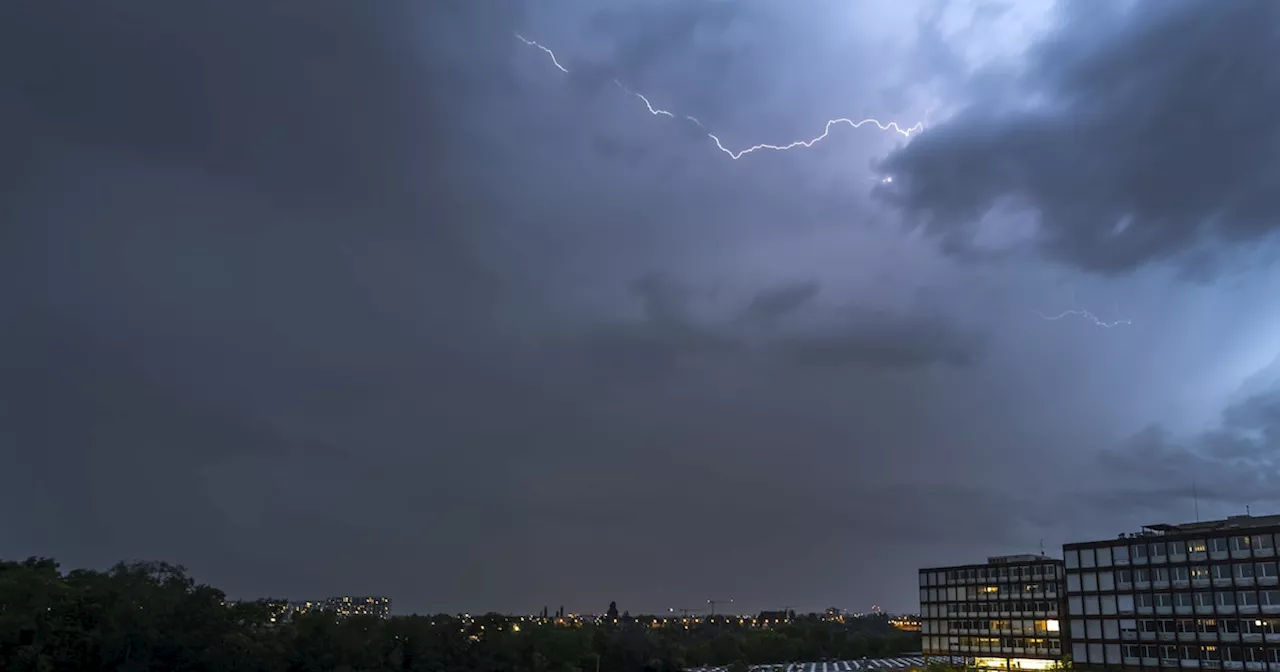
[153, 617]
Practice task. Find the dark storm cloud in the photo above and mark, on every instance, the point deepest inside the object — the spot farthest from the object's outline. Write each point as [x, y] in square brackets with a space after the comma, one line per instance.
[777, 301]
[1134, 138]
[671, 333]
[1237, 463]
[877, 340]
[653, 33]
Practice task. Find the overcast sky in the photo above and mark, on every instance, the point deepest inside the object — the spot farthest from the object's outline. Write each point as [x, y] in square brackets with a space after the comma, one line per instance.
[329, 297]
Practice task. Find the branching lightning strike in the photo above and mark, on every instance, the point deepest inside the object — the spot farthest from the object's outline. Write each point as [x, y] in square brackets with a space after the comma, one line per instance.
[735, 155]
[1085, 315]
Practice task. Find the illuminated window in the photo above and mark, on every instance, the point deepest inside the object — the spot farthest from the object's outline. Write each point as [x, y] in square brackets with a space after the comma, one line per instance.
[1197, 546]
[1052, 625]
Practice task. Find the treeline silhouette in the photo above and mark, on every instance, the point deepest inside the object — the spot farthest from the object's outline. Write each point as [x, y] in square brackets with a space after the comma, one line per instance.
[147, 616]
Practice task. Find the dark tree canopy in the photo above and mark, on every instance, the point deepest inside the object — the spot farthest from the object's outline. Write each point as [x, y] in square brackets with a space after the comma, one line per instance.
[152, 617]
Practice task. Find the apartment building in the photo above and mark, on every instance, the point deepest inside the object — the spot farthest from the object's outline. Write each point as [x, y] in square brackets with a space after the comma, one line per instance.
[1002, 615]
[1201, 595]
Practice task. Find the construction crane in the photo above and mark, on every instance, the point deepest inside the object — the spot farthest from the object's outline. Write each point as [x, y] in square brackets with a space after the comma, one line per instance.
[713, 604]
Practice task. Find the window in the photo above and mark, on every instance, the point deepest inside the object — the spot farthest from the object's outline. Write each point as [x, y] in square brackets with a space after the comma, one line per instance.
[1150, 650]
[1244, 570]
[1164, 600]
[1222, 571]
[1177, 548]
[1196, 546]
[1255, 654]
[1199, 573]
[1157, 549]
[1124, 576]
[1179, 572]
[1225, 599]
[1132, 651]
[1204, 599]
[1262, 542]
[1169, 652]
[1142, 575]
[1144, 600]
[1120, 553]
[1148, 625]
[1210, 652]
[1160, 574]
[1241, 544]
[1207, 625]
[1218, 545]
[1230, 626]
[1247, 598]
[1186, 625]
[1182, 600]
[1265, 570]
[1233, 653]
[1138, 551]
[1269, 597]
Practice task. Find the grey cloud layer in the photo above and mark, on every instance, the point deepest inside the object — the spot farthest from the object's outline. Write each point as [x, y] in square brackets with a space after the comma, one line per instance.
[378, 271]
[1151, 136]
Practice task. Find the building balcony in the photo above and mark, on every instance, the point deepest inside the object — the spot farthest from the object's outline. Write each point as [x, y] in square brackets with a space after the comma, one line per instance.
[1219, 555]
[1204, 608]
[1242, 554]
[1142, 585]
[1244, 581]
[1267, 580]
[1182, 610]
[1198, 557]
[1274, 637]
[1252, 637]
[1186, 636]
[1247, 609]
[1264, 552]
[1181, 583]
[1271, 608]
[1233, 664]
[1222, 583]
[1177, 557]
[1255, 665]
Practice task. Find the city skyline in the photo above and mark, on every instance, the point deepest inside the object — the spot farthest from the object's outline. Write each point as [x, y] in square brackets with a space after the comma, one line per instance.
[378, 298]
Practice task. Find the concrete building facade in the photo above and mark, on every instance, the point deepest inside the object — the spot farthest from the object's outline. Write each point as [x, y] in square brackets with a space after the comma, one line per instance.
[1202, 595]
[1001, 615]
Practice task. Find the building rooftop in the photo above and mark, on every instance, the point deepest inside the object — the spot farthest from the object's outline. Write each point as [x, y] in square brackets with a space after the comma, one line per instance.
[1229, 523]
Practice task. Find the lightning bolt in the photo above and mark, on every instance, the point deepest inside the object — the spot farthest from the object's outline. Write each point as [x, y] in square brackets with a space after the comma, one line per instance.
[1086, 315]
[735, 155]
[550, 53]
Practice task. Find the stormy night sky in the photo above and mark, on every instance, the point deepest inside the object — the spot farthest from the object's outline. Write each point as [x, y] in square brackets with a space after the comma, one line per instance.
[324, 298]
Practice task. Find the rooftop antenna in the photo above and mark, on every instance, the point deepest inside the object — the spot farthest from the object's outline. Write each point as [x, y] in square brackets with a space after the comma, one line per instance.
[1195, 497]
[1042, 548]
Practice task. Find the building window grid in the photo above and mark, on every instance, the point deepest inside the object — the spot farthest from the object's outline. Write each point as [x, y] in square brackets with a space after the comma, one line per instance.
[1021, 595]
[1235, 583]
